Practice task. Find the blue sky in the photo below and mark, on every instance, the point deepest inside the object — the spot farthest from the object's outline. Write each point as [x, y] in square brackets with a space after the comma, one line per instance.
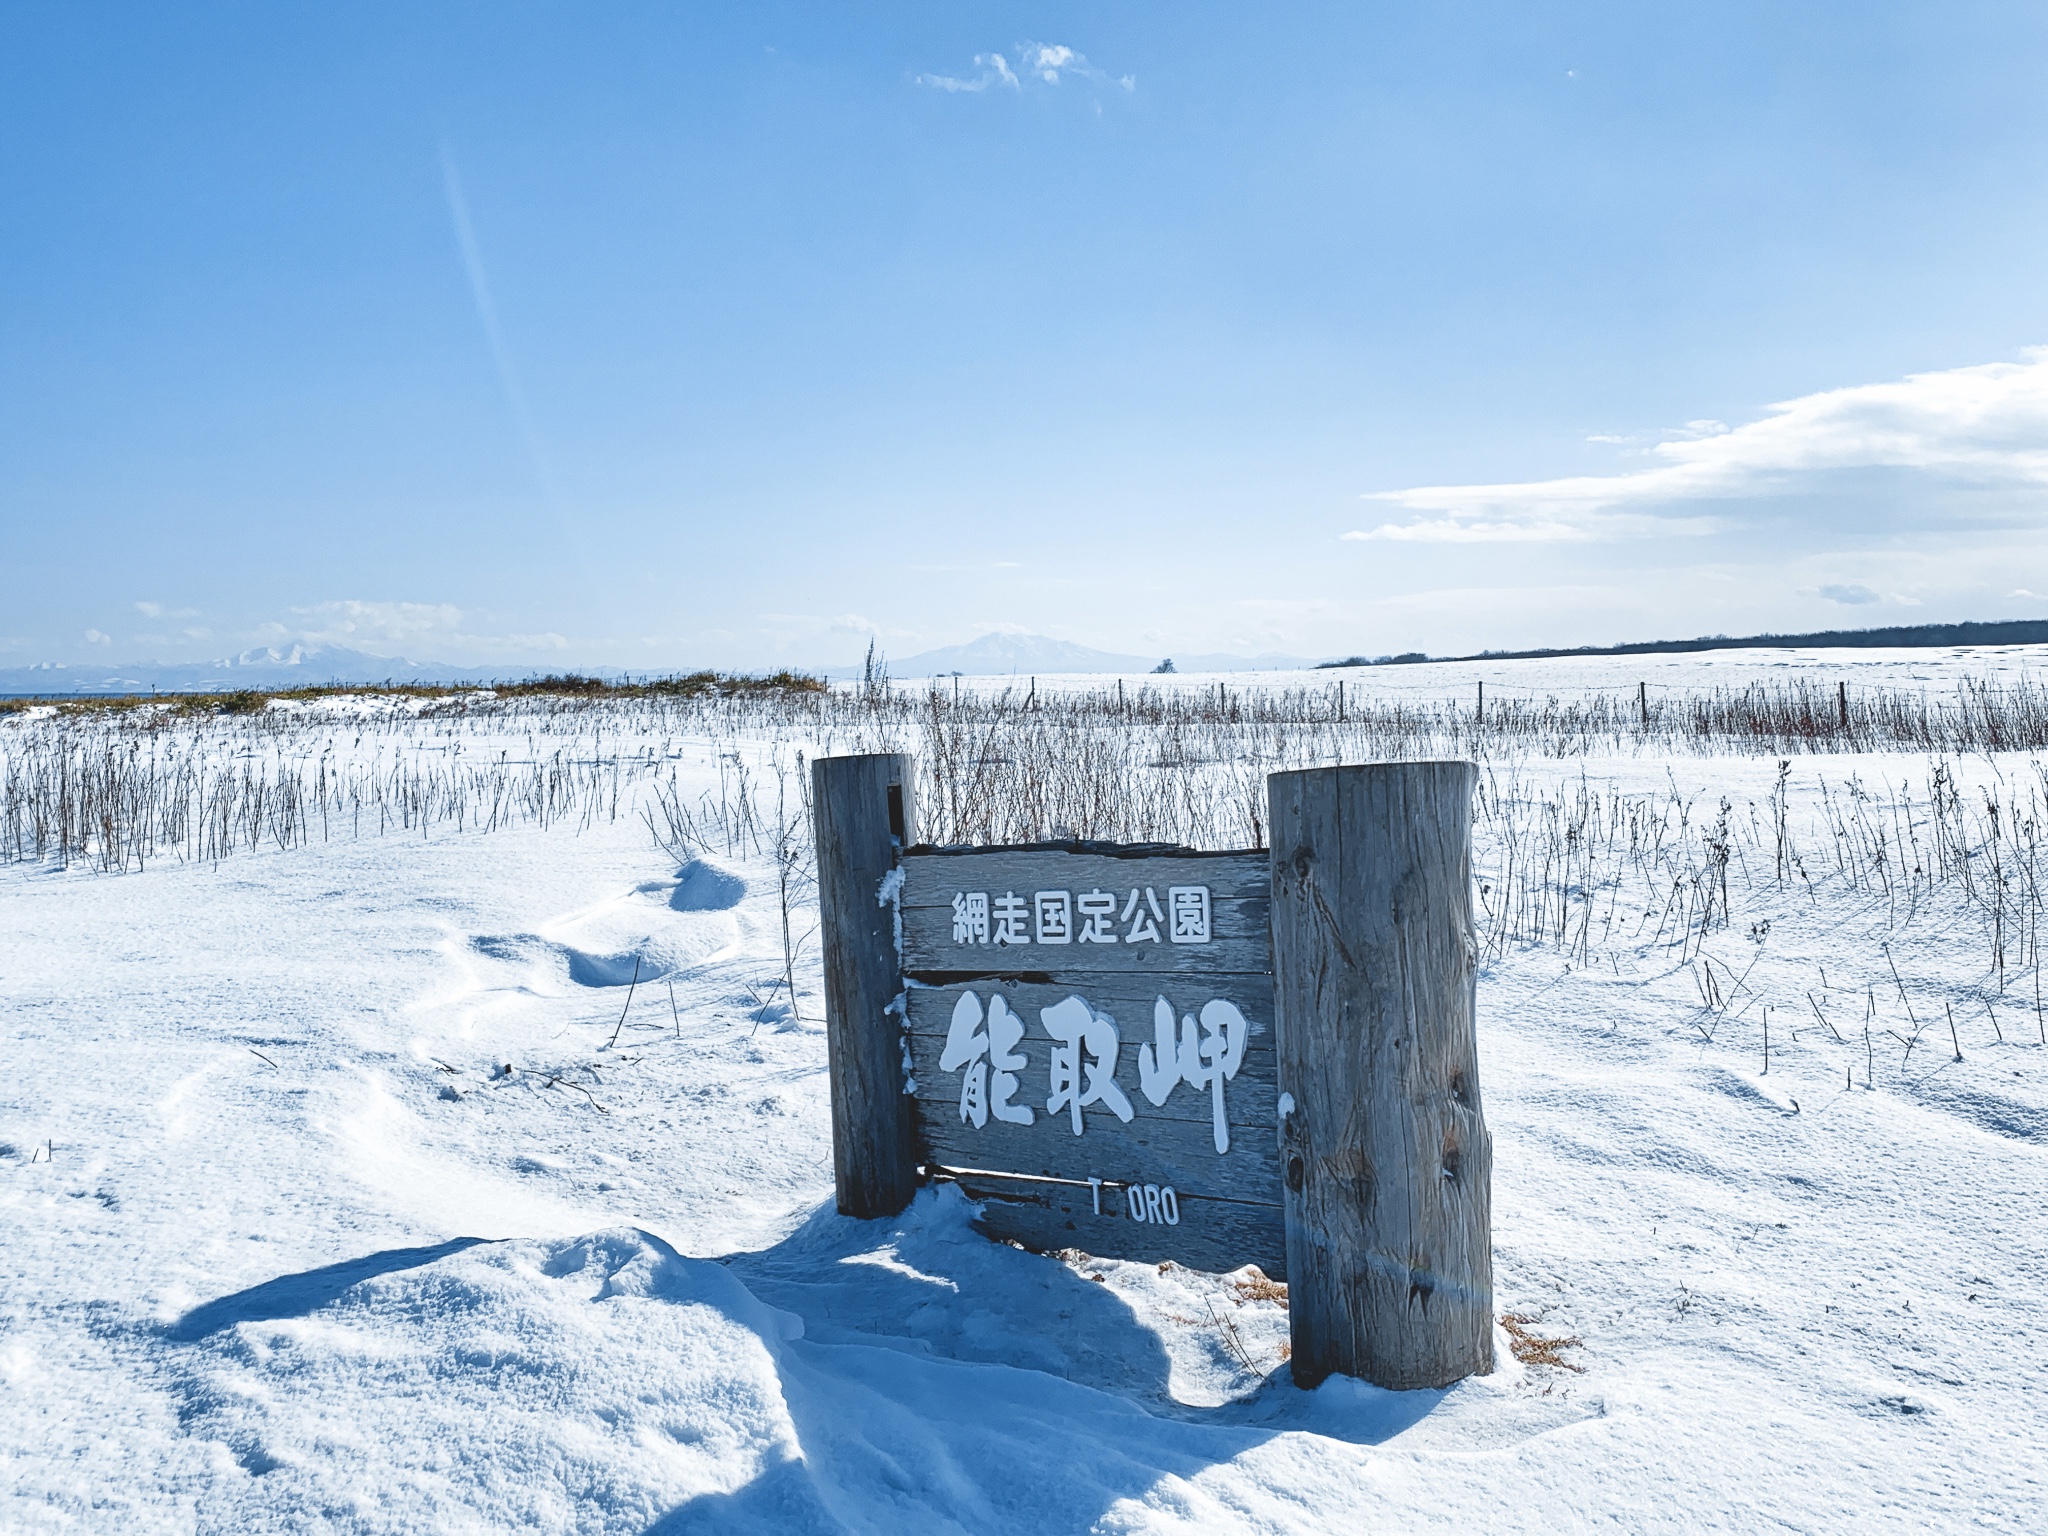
[669, 336]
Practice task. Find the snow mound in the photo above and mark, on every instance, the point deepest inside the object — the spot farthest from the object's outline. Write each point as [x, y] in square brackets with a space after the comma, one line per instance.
[885, 1376]
[703, 886]
[661, 928]
[587, 1385]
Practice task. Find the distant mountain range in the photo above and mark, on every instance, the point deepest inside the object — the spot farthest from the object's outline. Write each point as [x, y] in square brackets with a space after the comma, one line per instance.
[310, 666]
[301, 666]
[993, 655]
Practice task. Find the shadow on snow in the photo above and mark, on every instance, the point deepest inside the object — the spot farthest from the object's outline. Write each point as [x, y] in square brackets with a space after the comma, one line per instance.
[933, 1380]
[944, 1381]
[305, 1293]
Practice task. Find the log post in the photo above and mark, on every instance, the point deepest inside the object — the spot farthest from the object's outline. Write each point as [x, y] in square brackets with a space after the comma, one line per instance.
[863, 810]
[1384, 1150]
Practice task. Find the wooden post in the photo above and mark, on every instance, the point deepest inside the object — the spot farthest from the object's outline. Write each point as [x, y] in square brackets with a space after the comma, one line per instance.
[1480, 715]
[1643, 703]
[1340, 701]
[864, 810]
[1842, 704]
[1384, 1151]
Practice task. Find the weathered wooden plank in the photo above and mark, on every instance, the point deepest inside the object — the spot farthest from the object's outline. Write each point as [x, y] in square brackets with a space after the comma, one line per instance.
[863, 811]
[1128, 998]
[1070, 951]
[1180, 913]
[1215, 1235]
[1387, 1162]
[1248, 1102]
[1130, 1003]
[1169, 1146]
[1163, 1152]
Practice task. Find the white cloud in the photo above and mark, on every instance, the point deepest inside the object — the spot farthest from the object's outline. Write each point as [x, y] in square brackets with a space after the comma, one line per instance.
[1448, 530]
[1555, 527]
[1051, 62]
[161, 611]
[1047, 60]
[1848, 592]
[98, 637]
[993, 69]
[1046, 63]
[354, 622]
[1986, 424]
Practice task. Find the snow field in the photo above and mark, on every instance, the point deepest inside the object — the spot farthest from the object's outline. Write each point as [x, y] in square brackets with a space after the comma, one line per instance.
[1912, 668]
[288, 1249]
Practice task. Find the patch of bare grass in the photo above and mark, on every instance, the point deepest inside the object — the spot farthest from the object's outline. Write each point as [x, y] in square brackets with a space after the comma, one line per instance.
[1534, 1348]
[1256, 1287]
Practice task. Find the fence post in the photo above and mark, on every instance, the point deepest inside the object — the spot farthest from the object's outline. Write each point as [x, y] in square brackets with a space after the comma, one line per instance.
[864, 809]
[1387, 1163]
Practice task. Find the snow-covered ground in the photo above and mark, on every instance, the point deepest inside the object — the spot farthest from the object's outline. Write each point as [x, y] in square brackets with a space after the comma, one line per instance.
[284, 1245]
[1934, 668]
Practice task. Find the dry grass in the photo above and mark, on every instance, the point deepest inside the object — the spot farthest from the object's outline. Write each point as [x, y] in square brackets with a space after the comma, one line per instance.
[116, 798]
[570, 685]
[1566, 863]
[1534, 1349]
[1256, 1287]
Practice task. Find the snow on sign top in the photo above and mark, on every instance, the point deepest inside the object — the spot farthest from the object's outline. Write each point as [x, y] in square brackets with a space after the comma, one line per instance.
[1088, 1042]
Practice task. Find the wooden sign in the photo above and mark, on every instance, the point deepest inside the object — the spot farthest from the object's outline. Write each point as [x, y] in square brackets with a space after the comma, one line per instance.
[1090, 1042]
[1151, 1053]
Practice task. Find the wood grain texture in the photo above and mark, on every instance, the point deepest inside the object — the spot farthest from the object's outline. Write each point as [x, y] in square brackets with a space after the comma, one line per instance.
[1144, 1152]
[1214, 1235]
[1239, 886]
[874, 1140]
[1387, 1164]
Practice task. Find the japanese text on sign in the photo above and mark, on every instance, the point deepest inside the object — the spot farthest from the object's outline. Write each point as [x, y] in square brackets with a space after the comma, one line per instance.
[1085, 917]
[984, 1045]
